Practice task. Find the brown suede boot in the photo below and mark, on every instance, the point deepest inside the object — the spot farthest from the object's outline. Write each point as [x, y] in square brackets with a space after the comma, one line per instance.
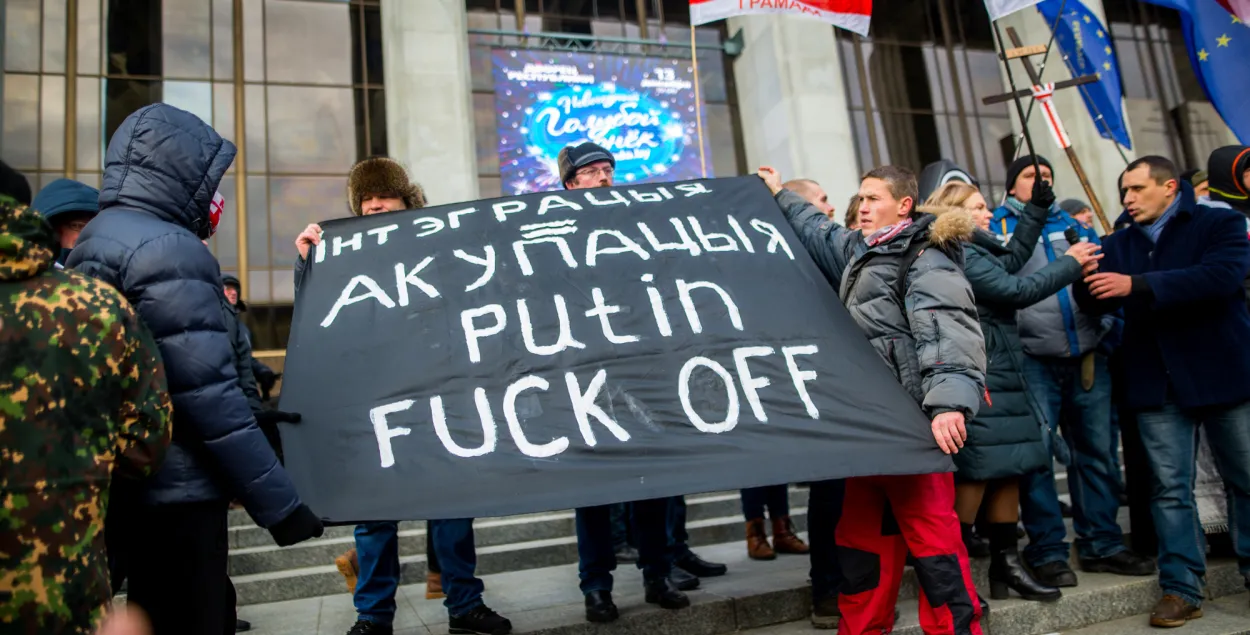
[434, 586]
[784, 540]
[349, 567]
[757, 541]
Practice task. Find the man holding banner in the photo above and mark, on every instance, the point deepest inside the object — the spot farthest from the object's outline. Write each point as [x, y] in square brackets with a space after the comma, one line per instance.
[379, 185]
[582, 167]
[900, 277]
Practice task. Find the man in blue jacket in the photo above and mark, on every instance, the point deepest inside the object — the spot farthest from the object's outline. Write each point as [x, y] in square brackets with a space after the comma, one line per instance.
[1065, 371]
[1177, 271]
[161, 171]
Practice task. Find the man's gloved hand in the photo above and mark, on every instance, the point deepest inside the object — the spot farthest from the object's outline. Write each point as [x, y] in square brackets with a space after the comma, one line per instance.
[1043, 194]
[301, 525]
[273, 417]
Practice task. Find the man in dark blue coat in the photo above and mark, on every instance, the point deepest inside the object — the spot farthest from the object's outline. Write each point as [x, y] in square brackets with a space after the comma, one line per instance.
[1177, 271]
[161, 171]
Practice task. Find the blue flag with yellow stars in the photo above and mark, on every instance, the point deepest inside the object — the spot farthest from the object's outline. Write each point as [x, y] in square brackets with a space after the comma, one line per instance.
[1219, 50]
[1086, 48]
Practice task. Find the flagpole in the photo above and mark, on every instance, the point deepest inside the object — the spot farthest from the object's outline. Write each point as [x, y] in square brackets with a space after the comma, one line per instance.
[1024, 122]
[698, 102]
[1029, 115]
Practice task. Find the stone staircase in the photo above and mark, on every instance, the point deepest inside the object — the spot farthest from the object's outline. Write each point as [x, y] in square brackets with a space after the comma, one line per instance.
[263, 572]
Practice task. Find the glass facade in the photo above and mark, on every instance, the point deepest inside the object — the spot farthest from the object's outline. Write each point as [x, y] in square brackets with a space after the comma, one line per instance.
[915, 87]
[311, 78]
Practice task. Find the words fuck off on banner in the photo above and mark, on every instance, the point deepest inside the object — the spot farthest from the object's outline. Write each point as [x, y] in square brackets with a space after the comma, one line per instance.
[687, 235]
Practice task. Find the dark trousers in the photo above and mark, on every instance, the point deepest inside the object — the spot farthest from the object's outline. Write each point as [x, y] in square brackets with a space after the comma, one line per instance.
[774, 497]
[824, 509]
[596, 558]
[678, 537]
[176, 560]
[431, 555]
[621, 513]
[457, 555]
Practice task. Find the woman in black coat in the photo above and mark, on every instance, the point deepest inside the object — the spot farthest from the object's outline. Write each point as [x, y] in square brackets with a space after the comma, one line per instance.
[1005, 439]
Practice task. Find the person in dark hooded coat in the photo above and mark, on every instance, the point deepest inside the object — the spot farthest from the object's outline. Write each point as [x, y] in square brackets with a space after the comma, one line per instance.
[161, 172]
[1228, 181]
[1005, 437]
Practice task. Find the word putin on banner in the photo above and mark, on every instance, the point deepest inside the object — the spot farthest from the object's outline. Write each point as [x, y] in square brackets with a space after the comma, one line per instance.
[577, 348]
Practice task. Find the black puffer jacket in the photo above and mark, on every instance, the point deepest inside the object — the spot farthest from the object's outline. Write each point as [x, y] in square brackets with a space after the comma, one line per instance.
[161, 170]
[1225, 168]
[1005, 438]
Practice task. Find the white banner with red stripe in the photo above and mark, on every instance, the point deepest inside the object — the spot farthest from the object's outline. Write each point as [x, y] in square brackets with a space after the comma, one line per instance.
[1044, 95]
[852, 15]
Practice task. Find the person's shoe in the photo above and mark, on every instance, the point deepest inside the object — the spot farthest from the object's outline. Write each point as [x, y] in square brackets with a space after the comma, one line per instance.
[825, 613]
[664, 593]
[434, 586]
[698, 567]
[1065, 509]
[1171, 611]
[479, 621]
[365, 627]
[349, 566]
[241, 625]
[600, 608]
[784, 540]
[757, 541]
[985, 608]
[1008, 572]
[626, 554]
[1055, 574]
[1124, 563]
[977, 546]
[683, 580]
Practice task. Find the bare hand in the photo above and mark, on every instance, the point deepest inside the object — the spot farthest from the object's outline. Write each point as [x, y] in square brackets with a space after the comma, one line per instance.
[307, 238]
[126, 621]
[949, 431]
[1084, 253]
[1109, 285]
[771, 178]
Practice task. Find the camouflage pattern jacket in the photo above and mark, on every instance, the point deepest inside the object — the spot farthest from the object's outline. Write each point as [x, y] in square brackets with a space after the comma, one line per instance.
[82, 398]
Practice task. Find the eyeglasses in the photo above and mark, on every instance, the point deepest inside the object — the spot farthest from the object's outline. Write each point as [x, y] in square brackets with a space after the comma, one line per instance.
[606, 170]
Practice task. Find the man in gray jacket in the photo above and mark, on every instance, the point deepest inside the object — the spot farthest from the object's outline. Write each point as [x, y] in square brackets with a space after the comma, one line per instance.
[901, 278]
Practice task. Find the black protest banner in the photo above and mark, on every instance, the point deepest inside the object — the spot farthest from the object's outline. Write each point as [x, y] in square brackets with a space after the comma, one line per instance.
[577, 348]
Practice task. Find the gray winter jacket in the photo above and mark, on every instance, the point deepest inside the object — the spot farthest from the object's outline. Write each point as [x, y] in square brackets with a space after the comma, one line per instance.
[930, 338]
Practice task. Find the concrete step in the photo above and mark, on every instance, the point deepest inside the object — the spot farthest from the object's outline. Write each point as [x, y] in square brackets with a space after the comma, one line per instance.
[754, 595]
[1229, 615]
[247, 559]
[271, 574]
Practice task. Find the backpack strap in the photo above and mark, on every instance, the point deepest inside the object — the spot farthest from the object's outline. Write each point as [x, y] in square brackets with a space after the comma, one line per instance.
[905, 261]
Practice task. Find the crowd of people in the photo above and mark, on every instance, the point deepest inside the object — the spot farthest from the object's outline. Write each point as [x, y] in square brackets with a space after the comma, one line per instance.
[133, 413]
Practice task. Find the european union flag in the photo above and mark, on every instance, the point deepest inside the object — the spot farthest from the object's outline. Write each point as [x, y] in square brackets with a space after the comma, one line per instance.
[1219, 48]
[1086, 47]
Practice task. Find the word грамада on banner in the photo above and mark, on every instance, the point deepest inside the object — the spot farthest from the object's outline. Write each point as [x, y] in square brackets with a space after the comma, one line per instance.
[565, 349]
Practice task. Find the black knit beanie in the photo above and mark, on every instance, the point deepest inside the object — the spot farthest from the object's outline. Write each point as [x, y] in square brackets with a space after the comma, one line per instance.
[1018, 166]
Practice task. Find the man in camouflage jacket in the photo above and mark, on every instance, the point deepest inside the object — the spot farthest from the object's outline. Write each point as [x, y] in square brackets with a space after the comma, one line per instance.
[82, 393]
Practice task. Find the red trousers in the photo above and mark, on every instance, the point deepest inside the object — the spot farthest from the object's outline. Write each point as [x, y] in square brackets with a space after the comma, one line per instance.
[873, 546]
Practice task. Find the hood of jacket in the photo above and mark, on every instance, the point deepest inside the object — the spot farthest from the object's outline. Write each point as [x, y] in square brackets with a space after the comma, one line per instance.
[167, 162]
[1224, 176]
[950, 225]
[28, 246]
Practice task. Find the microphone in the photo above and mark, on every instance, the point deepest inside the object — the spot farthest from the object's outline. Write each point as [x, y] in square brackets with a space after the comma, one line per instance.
[1072, 236]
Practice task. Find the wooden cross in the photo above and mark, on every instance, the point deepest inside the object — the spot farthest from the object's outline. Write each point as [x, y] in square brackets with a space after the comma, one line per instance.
[1042, 93]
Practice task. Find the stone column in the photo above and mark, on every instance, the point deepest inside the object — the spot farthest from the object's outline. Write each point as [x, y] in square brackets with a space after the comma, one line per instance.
[429, 107]
[1098, 156]
[793, 105]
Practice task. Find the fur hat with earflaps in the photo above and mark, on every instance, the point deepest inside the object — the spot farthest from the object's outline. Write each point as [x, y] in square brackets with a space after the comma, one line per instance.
[382, 175]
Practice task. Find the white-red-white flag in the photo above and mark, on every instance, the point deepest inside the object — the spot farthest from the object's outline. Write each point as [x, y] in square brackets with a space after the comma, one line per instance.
[852, 15]
[1000, 8]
